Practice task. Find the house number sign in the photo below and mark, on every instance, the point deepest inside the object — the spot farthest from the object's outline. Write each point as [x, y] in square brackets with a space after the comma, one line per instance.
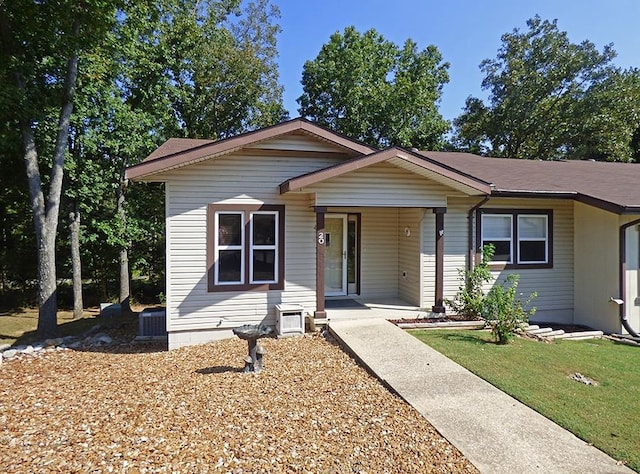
[321, 238]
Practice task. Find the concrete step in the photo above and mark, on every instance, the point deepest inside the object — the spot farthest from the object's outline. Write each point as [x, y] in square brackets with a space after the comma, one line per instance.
[580, 335]
[540, 331]
[531, 327]
[443, 324]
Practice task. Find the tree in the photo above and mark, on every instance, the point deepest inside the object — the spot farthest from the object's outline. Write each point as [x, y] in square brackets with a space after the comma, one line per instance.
[41, 45]
[607, 125]
[370, 89]
[212, 66]
[221, 70]
[536, 85]
[144, 71]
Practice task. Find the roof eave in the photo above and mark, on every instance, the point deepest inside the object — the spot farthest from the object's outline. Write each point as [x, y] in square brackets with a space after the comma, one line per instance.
[603, 204]
[309, 179]
[229, 145]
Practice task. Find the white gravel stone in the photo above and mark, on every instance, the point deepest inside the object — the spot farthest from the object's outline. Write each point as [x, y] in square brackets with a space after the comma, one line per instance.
[9, 354]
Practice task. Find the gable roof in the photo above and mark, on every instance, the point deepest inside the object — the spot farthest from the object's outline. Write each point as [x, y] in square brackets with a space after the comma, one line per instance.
[401, 158]
[614, 187]
[179, 152]
[611, 186]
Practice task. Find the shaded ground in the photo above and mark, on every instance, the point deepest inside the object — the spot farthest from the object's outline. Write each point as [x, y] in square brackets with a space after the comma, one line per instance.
[140, 409]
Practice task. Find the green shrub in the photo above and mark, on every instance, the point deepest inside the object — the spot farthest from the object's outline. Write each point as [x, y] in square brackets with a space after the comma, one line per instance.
[504, 312]
[468, 301]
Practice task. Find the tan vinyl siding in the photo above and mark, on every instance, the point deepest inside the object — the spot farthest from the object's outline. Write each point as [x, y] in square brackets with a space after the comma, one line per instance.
[596, 268]
[379, 277]
[409, 255]
[428, 258]
[381, 185]
[456, 243]
[455, 249]
[555, 286]
[189, 190]
[296, 142]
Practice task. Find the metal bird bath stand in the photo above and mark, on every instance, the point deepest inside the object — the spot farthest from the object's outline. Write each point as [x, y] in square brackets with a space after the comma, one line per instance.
[251, 333]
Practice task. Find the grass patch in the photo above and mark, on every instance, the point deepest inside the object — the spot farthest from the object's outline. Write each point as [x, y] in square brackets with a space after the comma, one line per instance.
[19, 326]
[538, 375]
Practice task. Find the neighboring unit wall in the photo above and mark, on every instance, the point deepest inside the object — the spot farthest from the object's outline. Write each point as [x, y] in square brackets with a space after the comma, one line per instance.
[596, 268]
[555, 286]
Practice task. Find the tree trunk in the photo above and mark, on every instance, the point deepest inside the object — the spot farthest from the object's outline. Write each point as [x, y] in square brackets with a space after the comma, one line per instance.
[45, 215]
[123, 256]
[125, 303]
[74, 227]
[47, 285]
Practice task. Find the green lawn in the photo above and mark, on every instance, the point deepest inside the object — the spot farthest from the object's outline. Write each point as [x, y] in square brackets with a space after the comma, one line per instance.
[537, 374]
[19, 326]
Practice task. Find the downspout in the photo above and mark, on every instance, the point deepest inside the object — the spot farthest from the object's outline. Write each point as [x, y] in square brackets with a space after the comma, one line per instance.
[472, 247]
[622, 252]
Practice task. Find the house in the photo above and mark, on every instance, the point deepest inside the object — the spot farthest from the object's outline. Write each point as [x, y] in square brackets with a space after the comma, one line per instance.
[294, 213]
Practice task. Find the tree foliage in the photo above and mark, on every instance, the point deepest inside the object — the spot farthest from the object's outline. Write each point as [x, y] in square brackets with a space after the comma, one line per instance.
[146, 71]
[370, 89]
[503, 310]
[549, 98]
[41, 47]
[608, 125]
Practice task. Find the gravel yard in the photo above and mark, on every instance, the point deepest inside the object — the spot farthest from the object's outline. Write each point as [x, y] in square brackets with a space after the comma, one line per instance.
[131, 409]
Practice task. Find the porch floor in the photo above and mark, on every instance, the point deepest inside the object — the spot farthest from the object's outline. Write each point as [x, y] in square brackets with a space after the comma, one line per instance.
[387, 308]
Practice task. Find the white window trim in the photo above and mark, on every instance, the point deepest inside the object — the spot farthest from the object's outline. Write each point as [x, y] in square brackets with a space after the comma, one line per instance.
[220, 247]
[545, 240]
[273, 247]
[510, 239]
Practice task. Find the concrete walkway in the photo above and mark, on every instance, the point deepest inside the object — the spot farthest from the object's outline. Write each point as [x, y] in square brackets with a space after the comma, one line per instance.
[494, 431]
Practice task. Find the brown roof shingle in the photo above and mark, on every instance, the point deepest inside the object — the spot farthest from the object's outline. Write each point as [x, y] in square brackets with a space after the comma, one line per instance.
[612, 186]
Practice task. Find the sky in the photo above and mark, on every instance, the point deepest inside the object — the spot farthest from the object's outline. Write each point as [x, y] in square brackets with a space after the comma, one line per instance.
[465, 32]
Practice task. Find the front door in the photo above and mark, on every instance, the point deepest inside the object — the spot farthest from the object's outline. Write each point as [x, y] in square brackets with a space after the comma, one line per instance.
[335, 257]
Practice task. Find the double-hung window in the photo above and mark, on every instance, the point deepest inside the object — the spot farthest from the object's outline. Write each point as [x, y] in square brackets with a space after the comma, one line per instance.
[521, 239]
[246, 247]
[230, 254]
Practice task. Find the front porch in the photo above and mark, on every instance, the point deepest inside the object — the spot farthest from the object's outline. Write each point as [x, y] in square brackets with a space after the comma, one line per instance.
[380, 260]
[345, 309]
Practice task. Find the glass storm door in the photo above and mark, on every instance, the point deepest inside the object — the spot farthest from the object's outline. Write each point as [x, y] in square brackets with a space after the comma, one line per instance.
[632, 276]
[335, 256]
